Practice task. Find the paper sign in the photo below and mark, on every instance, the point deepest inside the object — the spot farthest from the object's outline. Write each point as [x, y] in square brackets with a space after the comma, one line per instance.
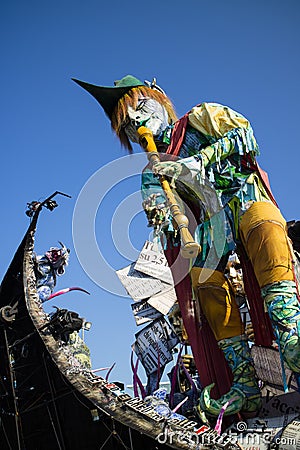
[153, 345]
[138, 285]
[143, 312]
[290, 437]
[154, 263]
[150, 278]
[164, 300]
[268, 366]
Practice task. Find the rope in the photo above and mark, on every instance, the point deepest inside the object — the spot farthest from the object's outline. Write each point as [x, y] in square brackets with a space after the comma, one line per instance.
[5, 435]
[54, 407]
[130, 438]
[114, 434]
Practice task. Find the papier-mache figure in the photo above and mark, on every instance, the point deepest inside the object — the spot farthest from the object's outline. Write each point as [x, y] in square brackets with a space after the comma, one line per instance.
[209, 157]
[48, 267]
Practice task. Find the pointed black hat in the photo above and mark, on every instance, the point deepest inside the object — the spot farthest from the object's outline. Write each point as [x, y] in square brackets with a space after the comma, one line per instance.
[108, 96]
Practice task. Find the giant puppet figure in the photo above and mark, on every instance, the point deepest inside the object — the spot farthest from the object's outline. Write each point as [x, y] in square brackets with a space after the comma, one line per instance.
[213, 145]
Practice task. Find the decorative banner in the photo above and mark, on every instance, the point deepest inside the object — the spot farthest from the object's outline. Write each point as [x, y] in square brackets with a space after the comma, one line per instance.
[278, 413]
[153, 345]
[143, 312]
[154, 263]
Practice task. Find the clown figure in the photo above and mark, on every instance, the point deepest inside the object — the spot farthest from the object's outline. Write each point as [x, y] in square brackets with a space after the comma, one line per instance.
[214, 147]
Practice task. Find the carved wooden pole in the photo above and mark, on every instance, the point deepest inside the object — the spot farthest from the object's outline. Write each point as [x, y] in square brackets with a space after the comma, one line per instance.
[189, 248]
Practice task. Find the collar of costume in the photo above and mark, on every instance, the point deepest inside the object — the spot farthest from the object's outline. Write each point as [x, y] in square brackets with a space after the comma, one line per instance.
[178, 134]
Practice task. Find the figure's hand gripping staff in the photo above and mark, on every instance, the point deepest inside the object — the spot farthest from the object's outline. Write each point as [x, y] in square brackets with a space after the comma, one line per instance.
[189, 248]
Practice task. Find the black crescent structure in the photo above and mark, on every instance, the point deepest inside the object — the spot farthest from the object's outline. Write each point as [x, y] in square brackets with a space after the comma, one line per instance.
[49, 403]
[46, 403]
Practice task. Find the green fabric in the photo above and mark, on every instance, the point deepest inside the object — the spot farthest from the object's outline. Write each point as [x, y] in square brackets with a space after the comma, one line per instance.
[128, 81]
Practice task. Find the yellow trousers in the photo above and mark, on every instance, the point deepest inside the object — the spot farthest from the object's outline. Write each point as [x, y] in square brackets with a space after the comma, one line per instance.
[217, 302]
[264, 237]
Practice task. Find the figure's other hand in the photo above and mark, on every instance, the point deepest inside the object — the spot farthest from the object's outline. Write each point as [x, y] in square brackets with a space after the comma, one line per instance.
[157, 213]
[167, 168]
[189, 363]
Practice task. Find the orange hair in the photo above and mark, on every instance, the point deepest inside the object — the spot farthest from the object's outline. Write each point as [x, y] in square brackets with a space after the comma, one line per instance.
[131, 99]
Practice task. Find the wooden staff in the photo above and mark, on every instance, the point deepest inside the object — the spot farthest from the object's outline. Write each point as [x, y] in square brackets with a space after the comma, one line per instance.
[189, 248]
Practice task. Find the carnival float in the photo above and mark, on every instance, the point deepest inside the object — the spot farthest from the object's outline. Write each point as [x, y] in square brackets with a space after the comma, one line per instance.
[51, 398]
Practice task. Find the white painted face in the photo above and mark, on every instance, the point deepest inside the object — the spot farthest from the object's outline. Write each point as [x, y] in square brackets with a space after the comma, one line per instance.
[148, 113]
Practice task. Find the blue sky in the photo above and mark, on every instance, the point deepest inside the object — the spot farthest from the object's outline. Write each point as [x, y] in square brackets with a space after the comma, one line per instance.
[54, 136]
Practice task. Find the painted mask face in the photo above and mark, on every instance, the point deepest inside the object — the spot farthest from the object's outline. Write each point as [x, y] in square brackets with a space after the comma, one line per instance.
[234, 273]
[148, 113]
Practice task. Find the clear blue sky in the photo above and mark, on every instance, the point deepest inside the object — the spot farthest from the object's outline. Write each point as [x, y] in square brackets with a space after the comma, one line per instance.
[54, 136]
